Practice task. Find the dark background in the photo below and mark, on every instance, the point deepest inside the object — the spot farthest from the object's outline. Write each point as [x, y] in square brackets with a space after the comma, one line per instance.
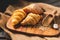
[4, 3]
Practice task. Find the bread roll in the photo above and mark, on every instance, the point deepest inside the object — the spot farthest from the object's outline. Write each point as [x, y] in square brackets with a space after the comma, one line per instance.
[33, 8]
[31, 19]
[18, 16]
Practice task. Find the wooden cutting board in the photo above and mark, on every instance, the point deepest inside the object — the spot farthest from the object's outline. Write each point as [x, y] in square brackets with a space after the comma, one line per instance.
[35, 30]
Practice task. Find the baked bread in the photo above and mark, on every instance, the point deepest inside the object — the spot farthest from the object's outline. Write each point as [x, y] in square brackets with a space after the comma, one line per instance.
[33, 8]
[31, 19]
[18, 16]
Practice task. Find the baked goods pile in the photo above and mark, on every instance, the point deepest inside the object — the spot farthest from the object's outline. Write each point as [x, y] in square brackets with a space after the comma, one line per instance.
[27, 15]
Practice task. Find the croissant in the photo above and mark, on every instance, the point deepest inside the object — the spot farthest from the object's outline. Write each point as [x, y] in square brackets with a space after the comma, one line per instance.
[18, 15]
[33, 8]
[31, 19]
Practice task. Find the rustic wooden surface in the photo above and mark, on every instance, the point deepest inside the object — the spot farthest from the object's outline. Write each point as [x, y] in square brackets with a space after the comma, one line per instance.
[20, 36]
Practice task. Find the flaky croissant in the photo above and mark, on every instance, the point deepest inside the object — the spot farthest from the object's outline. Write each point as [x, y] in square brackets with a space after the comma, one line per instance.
[33, 8]
[31, 19]
[18, 15]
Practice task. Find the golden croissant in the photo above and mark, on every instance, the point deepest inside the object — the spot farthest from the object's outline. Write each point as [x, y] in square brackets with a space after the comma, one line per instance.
[18, 16]
[33, 8]
[31, 19]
